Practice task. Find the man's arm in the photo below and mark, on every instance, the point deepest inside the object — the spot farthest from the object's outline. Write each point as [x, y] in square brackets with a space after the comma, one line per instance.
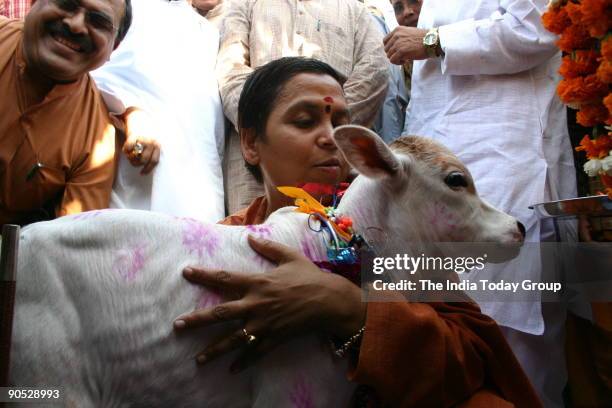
[89, 186]
[511, 40]
[233, 61]
[366, 86]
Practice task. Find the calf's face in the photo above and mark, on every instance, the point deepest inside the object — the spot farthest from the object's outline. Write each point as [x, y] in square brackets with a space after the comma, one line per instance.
[418, 191]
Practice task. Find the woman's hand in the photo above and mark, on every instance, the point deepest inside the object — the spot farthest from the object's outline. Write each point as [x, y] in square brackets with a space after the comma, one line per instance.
[141, 147]
[293, 299]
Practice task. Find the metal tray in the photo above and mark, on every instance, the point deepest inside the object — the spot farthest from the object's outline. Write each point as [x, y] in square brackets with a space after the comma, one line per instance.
[599, 205]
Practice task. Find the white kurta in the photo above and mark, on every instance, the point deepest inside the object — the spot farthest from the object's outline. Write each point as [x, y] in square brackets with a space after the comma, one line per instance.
[165, 66]
[491, 99]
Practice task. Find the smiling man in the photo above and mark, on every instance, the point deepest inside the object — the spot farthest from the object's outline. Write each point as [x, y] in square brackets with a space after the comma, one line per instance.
[57, 143]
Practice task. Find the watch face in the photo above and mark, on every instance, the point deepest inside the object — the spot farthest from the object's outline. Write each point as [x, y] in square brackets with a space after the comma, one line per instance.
[430, 39]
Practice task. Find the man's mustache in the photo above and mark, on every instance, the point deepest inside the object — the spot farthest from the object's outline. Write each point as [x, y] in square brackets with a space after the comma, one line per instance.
[59, 29]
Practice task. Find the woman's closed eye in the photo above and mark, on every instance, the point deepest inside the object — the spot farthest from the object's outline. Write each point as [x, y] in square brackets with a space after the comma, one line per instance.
[304, 122]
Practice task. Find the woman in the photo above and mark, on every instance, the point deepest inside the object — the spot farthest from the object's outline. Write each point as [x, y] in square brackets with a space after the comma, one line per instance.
[404, 354]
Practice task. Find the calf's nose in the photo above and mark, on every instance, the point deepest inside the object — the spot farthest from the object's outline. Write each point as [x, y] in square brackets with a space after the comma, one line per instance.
[521, 228]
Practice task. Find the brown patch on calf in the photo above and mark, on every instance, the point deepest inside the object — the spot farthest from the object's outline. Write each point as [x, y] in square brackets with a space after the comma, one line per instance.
[432, 153]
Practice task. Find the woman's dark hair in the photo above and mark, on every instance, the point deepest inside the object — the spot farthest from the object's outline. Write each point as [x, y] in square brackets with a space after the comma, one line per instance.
[126, 22]
[264, 85]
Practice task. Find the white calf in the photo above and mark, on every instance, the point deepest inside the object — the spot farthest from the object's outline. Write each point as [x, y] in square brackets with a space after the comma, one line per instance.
[98, 292]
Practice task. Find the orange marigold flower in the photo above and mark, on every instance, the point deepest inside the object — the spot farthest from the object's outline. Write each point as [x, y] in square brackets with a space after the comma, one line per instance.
[575, 37]
[608, 103]
[586, 145]
[556, 20]
[603, 145]
[604, 72]
[606, 47]
[580, 90]
[592, 114]
[574, 12]
[595, 148]
[579, 63]
[597, 16]
[607, 182]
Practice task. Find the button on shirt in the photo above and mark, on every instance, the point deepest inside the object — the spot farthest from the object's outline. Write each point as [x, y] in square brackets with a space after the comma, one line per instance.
[56, 156]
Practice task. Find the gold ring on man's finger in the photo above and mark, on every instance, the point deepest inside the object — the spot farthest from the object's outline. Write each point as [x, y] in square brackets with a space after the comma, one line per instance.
[138, 149]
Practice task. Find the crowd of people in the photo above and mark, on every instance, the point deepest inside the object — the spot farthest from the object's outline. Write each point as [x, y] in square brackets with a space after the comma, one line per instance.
[202, 108]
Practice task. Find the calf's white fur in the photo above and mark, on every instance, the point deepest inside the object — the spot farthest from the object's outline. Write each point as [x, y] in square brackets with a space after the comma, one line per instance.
[98, 292]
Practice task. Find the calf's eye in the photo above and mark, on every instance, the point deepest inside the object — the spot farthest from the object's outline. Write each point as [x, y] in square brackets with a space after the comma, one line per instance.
[456, 180]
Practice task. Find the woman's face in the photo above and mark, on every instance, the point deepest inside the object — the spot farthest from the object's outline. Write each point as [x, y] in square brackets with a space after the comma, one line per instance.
[297, 146]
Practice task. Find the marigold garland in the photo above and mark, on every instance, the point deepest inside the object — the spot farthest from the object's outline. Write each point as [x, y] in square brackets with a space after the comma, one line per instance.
[592, 115]
[584, 29]
[608, 103]
[606, 47]
[579, 63]
[604, 72]
[597, 16]
[581, 90]
[575, 37]
[556, 20]
[596, 148]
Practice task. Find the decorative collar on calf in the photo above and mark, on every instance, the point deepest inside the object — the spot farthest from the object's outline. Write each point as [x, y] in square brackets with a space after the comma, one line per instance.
[344, 244]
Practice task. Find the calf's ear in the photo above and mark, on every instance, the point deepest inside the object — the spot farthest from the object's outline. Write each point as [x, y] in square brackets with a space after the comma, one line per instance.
[366, 151]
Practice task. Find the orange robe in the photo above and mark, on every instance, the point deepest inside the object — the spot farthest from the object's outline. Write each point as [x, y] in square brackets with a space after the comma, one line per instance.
[69, 133]
[430, 354]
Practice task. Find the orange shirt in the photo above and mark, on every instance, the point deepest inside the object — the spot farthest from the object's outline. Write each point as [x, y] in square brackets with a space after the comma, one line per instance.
[57, 156]
[252, 215]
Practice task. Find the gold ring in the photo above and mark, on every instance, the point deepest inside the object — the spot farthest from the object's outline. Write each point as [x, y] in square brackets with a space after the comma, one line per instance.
[250, 339]
[138, 149]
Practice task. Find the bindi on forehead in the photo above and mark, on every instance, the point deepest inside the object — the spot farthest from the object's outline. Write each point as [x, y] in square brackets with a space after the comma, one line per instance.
[328, 99]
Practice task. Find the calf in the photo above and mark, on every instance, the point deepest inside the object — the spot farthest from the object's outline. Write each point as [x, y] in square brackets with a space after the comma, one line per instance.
[98, 292]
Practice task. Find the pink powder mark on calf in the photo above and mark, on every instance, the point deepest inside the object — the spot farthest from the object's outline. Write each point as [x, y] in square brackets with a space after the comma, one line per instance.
[87, 215]
[260, 231]
[446, 222]
[301, 393]
[130, 262]
[208, 298]
[200, 238]
[441, 216]
[309, 250]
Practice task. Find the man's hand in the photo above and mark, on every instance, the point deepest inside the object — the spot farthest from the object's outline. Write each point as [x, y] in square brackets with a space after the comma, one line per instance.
[140, 146]
[291, 300]
[405, 44]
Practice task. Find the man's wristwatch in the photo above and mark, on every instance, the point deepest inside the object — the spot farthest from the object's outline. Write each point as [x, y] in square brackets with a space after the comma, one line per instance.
[431, 42]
